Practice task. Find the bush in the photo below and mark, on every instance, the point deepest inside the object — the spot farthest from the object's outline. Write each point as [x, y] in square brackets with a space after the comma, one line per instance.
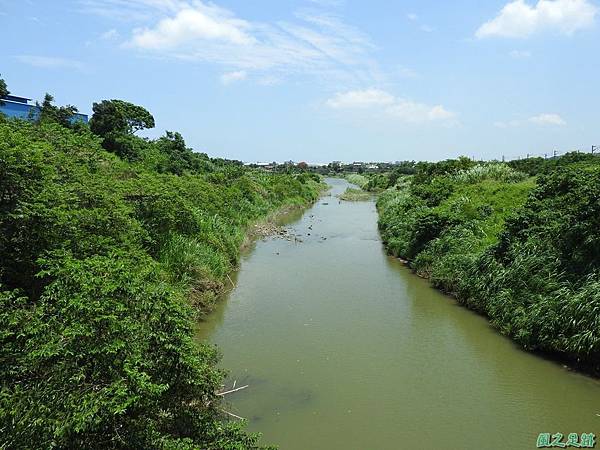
[526, 256]
[101, 260]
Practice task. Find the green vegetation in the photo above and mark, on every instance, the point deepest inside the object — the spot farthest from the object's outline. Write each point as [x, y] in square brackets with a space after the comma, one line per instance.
[360, 180]
[377, 182]
[354, 195]
[3, 90]
[56, 114]
[102, 261]
[525, 251]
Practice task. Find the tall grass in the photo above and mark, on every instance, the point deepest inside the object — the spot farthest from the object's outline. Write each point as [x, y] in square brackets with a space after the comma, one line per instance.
[489, 171]
[360, 180]
[354, 195]
[523, 252]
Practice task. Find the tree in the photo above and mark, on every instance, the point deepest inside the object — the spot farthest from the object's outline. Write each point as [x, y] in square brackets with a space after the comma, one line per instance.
[118, 116]
[51, 113]
[3, 91]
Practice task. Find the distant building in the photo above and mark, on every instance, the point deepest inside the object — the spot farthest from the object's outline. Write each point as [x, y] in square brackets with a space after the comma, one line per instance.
[261, 165]
[20, 108]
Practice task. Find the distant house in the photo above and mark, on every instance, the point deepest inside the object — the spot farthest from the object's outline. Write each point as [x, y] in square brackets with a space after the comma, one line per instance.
[19, 107]
[261, 165]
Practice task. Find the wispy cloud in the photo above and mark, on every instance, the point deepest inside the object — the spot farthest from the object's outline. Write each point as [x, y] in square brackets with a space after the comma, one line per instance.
[544, 119]
[548, 119]
[130, 10]
[377, 101]
[423, 27]
[50, 62]
[314, 42]
[110, 35]
[231, 77]
[518, 19]
[361, 99]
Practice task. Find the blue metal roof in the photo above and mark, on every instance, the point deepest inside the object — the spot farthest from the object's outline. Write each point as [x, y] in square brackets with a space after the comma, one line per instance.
[19, 108]
[15, 98]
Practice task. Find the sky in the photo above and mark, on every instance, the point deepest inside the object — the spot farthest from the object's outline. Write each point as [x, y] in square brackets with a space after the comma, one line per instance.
[323, 80]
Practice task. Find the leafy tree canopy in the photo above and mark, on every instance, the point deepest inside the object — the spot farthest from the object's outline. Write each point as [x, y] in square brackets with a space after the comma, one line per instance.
[3, 90]
[58, 114]
[118, 116]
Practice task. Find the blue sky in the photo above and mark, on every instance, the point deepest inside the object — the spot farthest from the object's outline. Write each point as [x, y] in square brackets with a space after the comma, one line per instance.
[322, 80]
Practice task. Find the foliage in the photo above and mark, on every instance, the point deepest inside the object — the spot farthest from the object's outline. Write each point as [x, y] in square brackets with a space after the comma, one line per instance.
[354, 195]
[525, 254]
[537, 165]
[360, 180]
[120, 117]
[377, 183]
[56, 114]
[179, 158]
[3, 90]
[101, 260]
[491, 171]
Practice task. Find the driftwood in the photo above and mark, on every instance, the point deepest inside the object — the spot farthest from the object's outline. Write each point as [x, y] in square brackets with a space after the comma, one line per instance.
[232, 414]
[232, 283]
[231, 391]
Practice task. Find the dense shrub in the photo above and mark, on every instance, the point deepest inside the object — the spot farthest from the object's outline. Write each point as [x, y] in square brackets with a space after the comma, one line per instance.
[360, 180]
[527, 255]
[101, 260]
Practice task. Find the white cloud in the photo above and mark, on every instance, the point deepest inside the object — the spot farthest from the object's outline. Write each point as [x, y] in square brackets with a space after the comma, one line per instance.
[548, 119]
[412, 17]
[317, 44]
[518, 19]
[360, 99]
[232, 77]
[50, 62]
[192, 24]
[427, 29]
[520, 54]
[379, 101]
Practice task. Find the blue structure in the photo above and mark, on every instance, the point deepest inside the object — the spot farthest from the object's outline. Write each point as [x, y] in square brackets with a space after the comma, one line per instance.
[20, 108]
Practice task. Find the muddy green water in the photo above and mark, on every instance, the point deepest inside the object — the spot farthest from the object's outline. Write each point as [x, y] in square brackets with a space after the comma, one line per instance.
[344, 348]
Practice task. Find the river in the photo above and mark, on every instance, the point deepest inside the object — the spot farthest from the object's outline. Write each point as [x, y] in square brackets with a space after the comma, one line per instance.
[344, 348]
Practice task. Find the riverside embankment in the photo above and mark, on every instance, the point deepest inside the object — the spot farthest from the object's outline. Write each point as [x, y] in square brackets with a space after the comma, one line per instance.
[344, 348]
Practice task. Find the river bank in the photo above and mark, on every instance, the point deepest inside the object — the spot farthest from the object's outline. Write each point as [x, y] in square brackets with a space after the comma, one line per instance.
[342, 347]
[503, 244]
[205, 294]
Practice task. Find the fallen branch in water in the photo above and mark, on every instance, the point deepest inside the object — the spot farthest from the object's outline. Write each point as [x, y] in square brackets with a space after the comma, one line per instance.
[232, 283]
[232, 390]
[232, 414]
